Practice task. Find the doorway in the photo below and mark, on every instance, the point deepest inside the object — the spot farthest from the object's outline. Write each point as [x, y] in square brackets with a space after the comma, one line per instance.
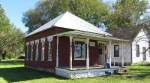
[102, 53]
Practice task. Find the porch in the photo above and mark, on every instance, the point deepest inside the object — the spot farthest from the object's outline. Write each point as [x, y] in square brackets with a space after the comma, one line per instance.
[90, 67]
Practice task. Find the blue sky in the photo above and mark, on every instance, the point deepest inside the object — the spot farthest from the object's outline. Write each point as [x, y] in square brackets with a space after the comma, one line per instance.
[14, 10]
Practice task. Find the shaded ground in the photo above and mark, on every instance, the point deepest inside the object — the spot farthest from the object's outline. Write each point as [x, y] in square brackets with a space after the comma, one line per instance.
[13, 71]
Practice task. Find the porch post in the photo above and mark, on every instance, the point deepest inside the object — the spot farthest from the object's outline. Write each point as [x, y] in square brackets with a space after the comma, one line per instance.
[109, 53]
[87, 57]
[122, 46]
[57, 53]
[70, 37]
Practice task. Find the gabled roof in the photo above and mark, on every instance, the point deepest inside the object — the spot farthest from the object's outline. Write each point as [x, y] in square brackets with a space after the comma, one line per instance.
[127, 33]
[70, 21]
[124, 33]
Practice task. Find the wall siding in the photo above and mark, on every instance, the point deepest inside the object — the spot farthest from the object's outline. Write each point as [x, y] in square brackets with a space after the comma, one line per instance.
[64, 51]
[94, 53]
[44, 64]
[142, 43]
[126, 48]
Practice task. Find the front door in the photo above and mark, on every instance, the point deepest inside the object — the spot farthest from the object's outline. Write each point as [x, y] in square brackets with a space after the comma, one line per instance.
[144, 53]
[102, 58]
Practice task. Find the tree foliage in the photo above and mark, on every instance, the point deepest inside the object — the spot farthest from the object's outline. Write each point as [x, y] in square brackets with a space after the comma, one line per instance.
[93, 11]
[4, 22]
[126, 13]
[11, 38]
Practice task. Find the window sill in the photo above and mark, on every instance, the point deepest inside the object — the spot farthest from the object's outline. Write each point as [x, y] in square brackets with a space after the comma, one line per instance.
[79, 59]
[49, 60]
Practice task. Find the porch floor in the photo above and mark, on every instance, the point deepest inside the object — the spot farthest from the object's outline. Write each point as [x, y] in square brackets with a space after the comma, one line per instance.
[83, 67]
[82, 72]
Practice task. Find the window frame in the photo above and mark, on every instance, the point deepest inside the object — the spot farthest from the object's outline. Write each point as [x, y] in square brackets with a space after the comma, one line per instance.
[116, 51]
[32, 50]
[137, 50]
[149, 52]
[49, 39]
[37, 50]
[144, 54]
[27, 51]
[42, 49]
[83, 57]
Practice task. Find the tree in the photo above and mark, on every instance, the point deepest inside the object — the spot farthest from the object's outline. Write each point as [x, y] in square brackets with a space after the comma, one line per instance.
[4, 22]
[126, 13]
[125, 18]
[4, 27]
[16, 42]
[93, 11]
[11, 43]
[11, 38]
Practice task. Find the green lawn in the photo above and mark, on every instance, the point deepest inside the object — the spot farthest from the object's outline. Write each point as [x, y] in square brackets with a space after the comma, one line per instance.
[13, 71]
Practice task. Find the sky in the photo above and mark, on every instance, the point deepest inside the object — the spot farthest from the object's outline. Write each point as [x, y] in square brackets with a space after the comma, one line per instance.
[14, 10]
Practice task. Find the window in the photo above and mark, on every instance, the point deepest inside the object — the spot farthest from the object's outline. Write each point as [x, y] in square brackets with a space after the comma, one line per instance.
[116, 50]
[149, 52]
[37, 49]
[144, 53]
[144, 50]
[79, 50]
[31, 52]
[31, 56]
[43, 48]
[49, 39]
[137, 50]
[27, 51]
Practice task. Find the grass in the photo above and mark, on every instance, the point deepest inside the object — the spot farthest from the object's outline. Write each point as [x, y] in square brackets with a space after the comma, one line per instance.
[14, 71]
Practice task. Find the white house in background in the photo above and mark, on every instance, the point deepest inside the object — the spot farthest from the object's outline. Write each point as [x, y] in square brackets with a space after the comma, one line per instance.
[140, 47]
[136, 49]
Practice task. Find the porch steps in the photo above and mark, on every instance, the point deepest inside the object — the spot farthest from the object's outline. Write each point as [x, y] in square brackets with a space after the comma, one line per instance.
[123, 70]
